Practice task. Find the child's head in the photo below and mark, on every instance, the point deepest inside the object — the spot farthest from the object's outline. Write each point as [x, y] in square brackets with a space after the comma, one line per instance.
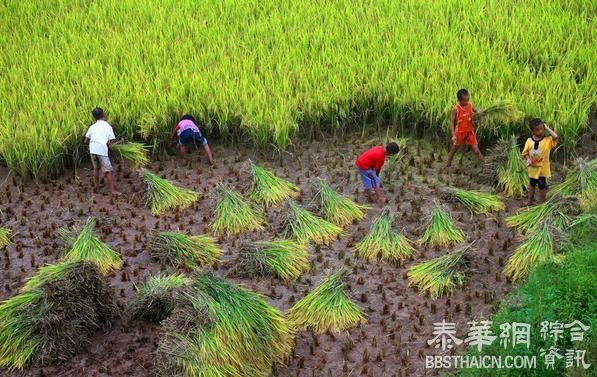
[188, 117]
[463, 97]
[537, 127]
[98, 113]
[392, 148]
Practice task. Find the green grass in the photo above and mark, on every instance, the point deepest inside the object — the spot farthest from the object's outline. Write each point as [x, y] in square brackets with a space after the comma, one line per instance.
[441, 229]
[233, 215]
[382, 242]
[155, 299]
[305, 227]
[269, 190]
[5, 237]
[327, 308]
[336, 208]
[477, 201]
[178, 249]
[441, 275]
[265, 69]
[82, 244]
[286, 259]
[162, 195]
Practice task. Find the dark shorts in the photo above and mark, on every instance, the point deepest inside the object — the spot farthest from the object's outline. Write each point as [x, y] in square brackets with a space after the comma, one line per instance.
[188, 136]
[539, 182]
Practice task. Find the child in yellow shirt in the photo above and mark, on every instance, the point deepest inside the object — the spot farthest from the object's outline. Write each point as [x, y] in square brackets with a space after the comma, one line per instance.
[536, 151]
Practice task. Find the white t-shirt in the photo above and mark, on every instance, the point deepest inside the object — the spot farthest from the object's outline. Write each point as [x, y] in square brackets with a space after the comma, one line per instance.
[99, 134]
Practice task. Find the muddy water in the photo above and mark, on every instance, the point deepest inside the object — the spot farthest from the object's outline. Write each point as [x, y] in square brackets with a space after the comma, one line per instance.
[400, 319]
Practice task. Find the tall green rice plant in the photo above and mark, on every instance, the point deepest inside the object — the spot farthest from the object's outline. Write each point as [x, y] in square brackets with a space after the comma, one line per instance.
[162, 195]
[178, 249]
[233, 214]
[336, 208]
[327, 308]
[305, 227]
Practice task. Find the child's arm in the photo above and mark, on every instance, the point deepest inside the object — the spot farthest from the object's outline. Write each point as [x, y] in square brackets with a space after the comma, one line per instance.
[525, 153]
[453, 125]
[551, 132]
[174, 132]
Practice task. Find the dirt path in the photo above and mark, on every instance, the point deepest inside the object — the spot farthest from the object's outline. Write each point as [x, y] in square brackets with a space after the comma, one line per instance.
[392, 343]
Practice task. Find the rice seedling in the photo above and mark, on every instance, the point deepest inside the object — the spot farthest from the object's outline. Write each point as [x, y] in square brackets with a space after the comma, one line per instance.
[223, 329]
[383, 242]
[285, 259]
[558, 210]
[477, 201]
[441, 275]
[336, 208]
[162, 195]
[581, 182]
[495, 116]
[305, 227]
[267, 189]
[82, 244]
[540, 246]
[156, 298]
[55, 316]
[178, 249]
[327, 308]
[504, 168]
[441, 229]
[233, 214]
[5, 237]
[134, 153]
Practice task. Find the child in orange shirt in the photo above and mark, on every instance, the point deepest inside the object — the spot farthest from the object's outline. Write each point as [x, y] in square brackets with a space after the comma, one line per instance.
[461, 125]
[536, 152]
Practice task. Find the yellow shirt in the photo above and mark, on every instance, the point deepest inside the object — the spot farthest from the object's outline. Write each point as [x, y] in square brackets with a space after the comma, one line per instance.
[539, 156]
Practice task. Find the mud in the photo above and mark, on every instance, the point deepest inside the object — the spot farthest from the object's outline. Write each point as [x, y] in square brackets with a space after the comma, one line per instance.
[400, 319]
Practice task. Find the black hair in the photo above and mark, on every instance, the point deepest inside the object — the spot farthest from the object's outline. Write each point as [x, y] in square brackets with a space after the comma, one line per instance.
[461, 94]
[188, 117]
[534, 123]
[392, 148]
[98, 113]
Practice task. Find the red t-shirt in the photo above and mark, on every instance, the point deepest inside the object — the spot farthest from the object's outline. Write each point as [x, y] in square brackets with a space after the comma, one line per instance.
[372, 159]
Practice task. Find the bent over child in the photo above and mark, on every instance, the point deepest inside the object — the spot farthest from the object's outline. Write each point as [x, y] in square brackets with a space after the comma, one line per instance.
[187, 132]
[369, 164]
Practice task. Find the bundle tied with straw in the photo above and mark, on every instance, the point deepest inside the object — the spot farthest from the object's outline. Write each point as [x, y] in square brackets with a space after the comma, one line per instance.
[441, 275]
[233, 215]
[441, 228]
[540, 246]
[557, 210]
[267, 189]
[286, 259]
[305, 227]
[55, 315]
[327, 308]
[221, 329]
[83, 245]
[336, 208]
[476, 201]
[178, 249]
[581, 182]
[134, 153]
[163, 195]
[156, 298]
[383, 242]
[5, 237]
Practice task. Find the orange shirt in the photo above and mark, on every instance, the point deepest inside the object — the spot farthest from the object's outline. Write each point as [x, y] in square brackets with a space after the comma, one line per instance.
[464, 118]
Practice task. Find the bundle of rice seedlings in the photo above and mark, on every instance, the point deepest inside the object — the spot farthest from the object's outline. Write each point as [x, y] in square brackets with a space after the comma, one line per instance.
[441, 275]
[327, 308]
[268, 189]
[539, 247]
[162, 195]
[55, 315]
[581, 182]
[496, 115]
[83, 245]
[504, 168]
[221, 329]
[477, 201]
[178, 249]
[233, 214]
[134, 153]
[383, 243]
[5, 236]
[557, 210]
[285, 259]
[441, 229]
[305, 227]
[156, 298]
[336, 208]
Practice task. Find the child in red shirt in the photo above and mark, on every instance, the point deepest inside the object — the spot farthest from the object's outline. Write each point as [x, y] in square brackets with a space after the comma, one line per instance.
[461, 125]
[369, 164]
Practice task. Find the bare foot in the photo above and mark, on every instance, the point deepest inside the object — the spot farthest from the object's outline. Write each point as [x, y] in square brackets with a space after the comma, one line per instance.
[527, 203]
[116, 193]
